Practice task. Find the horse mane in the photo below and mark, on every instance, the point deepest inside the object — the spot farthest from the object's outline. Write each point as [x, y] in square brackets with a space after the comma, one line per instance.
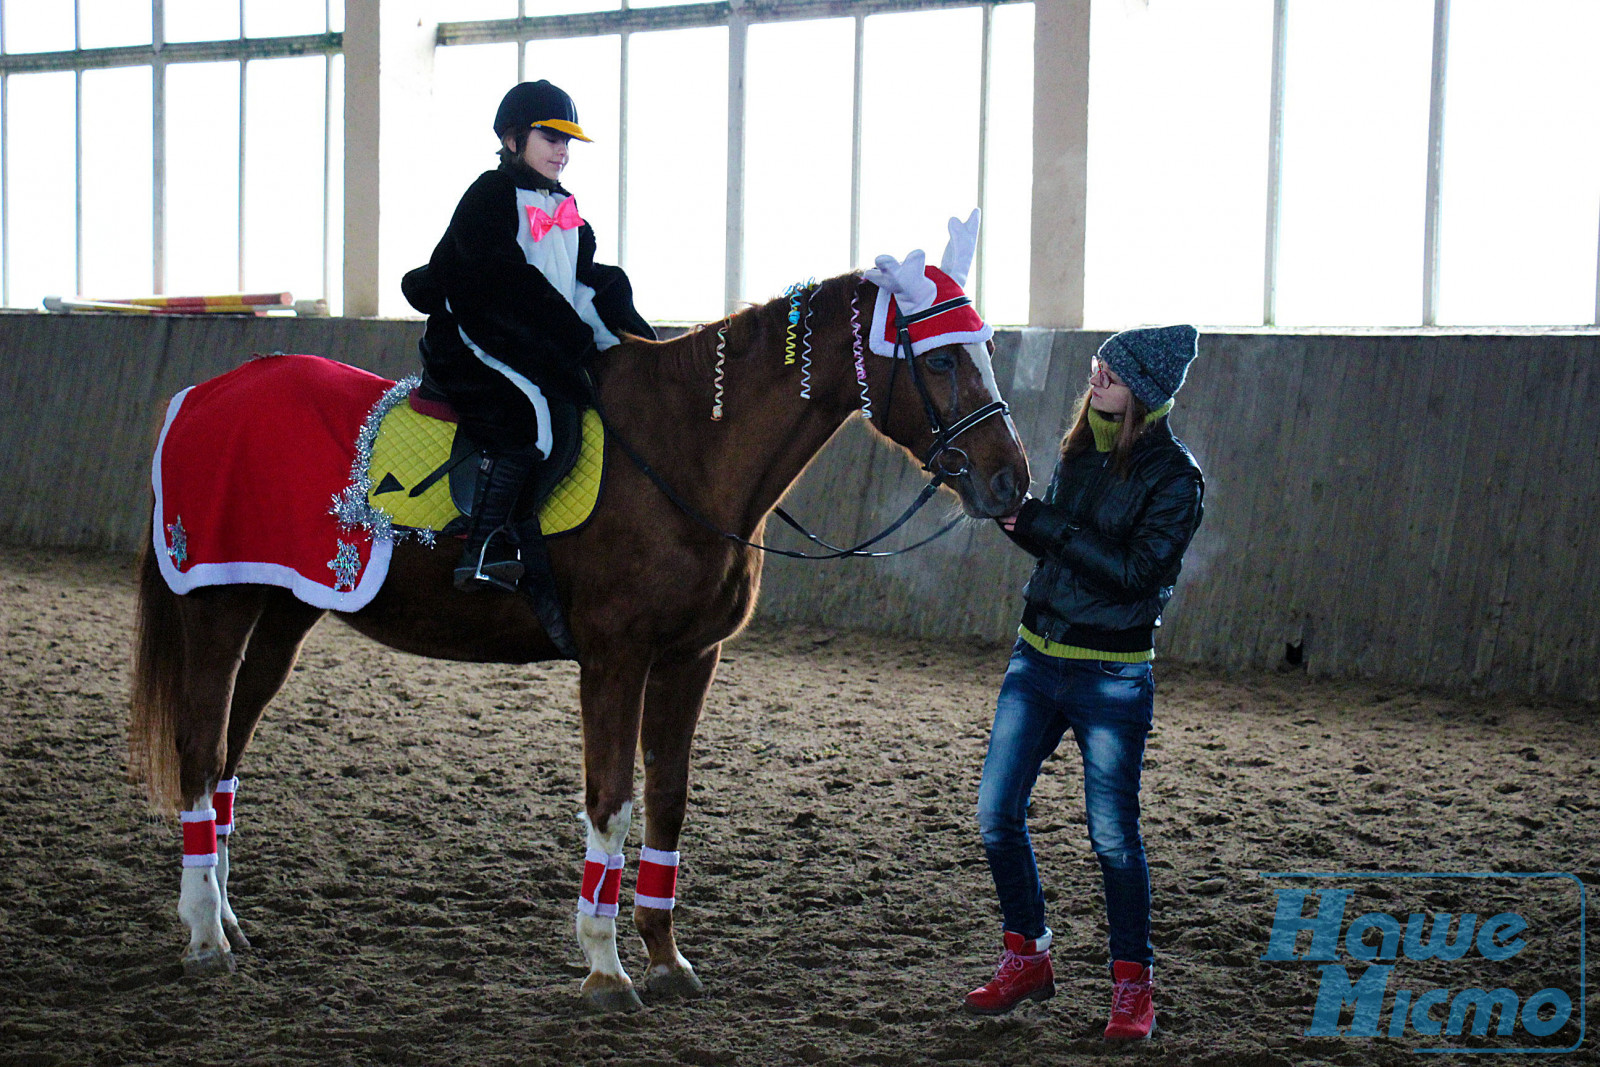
[694, 354]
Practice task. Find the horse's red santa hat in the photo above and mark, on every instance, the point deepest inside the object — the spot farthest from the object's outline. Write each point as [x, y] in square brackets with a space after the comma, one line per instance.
[918, 287]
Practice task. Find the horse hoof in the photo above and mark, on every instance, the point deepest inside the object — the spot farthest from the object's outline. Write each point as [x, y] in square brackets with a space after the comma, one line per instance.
[208, 964]
[236, 939]
[673, 982]
[607, 995]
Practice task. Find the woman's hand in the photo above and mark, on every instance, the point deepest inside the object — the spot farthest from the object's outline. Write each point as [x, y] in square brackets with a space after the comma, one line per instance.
[1008, 523]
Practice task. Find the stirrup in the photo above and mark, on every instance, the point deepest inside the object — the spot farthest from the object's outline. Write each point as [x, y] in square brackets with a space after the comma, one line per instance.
[500, 574]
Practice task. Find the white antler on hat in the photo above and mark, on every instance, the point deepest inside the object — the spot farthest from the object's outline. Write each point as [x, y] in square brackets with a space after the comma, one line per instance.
[957, 259]
[912, 288]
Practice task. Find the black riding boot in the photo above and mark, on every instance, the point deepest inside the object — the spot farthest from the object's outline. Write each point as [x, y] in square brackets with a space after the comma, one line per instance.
[490, 556]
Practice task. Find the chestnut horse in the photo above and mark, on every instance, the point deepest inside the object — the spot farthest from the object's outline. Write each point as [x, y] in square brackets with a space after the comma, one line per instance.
[650, 595]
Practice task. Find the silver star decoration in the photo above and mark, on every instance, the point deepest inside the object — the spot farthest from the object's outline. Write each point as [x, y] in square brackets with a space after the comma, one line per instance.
[345, 565]
[178, 540]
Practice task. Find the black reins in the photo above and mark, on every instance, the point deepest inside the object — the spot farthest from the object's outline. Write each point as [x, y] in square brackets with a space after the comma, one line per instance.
[934, 462]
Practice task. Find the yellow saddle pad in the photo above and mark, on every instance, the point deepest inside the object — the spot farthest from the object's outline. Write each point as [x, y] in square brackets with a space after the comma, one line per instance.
[410, 446]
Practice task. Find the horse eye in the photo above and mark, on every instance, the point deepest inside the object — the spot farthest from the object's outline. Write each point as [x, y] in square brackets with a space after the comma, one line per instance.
[941, 362]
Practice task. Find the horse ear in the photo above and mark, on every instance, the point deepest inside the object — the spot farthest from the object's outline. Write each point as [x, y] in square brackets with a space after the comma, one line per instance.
[963, 245]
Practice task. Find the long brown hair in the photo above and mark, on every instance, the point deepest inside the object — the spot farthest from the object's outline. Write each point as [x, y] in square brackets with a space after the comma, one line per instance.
[1080, 438]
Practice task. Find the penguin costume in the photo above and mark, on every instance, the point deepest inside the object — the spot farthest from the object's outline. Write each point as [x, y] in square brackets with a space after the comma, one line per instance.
[516, 304]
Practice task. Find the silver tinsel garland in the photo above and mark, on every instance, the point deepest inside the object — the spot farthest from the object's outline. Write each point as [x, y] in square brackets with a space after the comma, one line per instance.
[352, 507]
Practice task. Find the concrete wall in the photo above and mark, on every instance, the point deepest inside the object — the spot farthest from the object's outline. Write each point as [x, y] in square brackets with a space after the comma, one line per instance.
[1418, 506]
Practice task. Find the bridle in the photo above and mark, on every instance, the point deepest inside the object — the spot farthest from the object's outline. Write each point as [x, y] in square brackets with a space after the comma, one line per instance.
[936, 463]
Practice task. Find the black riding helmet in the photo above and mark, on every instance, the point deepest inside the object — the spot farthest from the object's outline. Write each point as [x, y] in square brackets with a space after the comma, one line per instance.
[538, 103]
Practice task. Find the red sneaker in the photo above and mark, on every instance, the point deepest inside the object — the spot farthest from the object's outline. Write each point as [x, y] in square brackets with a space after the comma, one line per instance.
[1133, 1015]
[1024, 974]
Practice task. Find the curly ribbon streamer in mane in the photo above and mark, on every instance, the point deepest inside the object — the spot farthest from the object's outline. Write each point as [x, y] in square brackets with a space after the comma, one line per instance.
[793, 293]
[805, 342]
[716, 381]
[861, 366]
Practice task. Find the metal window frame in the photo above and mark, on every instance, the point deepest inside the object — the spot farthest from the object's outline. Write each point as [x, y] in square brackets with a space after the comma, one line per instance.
[1436, 103]
[1280, 42]
[737, 16]
[77, 152]
[158, 55]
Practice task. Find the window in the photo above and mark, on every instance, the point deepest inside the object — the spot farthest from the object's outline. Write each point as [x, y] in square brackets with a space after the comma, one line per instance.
[1355, 162]
[283, 202]
[1303, 163]
[677, 187]
[1179, 95]
[1003, 255]
[40, 201]
[217, 171]
[798, 178]
[920, 138]
[839, 165]
[1520, 175]
[202, 232]
[117, 181]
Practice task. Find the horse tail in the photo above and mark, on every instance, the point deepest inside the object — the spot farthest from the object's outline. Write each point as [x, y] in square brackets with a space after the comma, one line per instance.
[158, 669]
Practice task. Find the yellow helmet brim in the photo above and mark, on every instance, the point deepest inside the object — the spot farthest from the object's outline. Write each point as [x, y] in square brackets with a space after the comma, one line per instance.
[571, 129]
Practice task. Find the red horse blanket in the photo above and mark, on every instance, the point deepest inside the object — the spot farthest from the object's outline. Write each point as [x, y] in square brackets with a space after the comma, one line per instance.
[246, 476]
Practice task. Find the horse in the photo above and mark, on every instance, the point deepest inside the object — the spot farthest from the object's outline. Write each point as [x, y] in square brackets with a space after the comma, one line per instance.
[652, 586]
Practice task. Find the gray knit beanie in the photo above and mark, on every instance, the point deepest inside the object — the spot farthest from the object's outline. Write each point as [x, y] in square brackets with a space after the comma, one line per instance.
[1153, 361]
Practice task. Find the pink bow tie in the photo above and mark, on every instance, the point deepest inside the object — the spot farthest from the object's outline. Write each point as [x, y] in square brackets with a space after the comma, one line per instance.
[566, 217]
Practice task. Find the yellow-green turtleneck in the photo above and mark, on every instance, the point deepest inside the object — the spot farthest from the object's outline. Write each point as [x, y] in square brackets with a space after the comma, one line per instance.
[1105, 429]
[1105, 432]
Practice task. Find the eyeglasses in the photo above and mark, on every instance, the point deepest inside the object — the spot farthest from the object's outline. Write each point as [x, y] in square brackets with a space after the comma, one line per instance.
[1101, 374]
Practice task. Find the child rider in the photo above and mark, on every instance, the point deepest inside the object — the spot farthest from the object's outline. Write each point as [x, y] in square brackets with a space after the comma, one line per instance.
[516, 304]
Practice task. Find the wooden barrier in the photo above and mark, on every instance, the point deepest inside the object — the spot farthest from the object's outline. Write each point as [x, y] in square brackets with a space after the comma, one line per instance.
[1410, 505]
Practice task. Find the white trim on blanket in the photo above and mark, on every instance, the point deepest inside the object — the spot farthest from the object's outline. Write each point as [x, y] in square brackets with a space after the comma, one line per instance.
[243, 573]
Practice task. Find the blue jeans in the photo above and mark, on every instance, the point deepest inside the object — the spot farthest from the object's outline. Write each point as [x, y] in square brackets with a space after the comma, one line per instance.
[1108, 707]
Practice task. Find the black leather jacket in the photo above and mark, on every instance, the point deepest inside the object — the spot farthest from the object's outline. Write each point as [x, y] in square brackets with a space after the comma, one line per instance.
[1110, 548]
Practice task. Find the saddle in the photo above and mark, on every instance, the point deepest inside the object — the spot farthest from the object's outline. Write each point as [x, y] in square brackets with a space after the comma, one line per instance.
[424, 472]
[424, 469]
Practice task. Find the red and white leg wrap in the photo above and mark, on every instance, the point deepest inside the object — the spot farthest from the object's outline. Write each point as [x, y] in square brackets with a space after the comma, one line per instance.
[199, 837]
[602, 883]
[658, 879]
[222, 800]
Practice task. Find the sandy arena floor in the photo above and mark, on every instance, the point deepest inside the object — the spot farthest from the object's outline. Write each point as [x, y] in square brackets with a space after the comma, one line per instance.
[409, 853]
